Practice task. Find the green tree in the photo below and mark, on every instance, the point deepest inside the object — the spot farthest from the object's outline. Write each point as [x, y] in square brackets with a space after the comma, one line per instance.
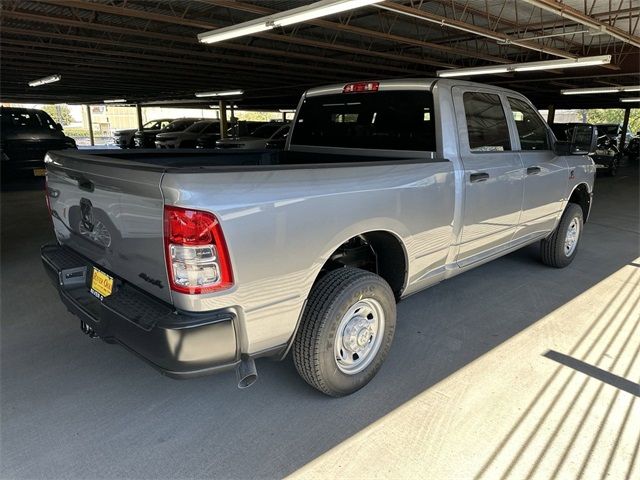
[615, 115]
[59, 113]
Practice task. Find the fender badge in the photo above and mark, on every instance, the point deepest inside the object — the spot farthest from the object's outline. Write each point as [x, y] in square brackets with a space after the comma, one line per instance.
[572, 175]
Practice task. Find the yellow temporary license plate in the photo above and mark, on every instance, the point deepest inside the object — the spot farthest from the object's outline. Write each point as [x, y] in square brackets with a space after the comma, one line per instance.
[101, 284]
[39, 172]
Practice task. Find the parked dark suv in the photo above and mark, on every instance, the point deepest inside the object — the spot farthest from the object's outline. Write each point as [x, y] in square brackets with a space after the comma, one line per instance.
[147, 138]
[26, 134]
[125, 138]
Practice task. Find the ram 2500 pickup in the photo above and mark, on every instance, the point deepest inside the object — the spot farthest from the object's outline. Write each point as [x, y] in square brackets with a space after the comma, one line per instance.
[199, 262]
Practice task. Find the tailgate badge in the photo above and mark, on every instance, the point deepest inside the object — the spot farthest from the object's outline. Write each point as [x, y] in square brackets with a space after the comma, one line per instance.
[90, 227]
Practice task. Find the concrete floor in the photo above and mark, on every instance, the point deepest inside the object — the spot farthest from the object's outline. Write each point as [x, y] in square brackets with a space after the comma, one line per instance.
[513, 370]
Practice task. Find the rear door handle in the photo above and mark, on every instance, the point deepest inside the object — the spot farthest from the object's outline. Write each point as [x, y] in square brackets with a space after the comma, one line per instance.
[533, 170]
[479, 177]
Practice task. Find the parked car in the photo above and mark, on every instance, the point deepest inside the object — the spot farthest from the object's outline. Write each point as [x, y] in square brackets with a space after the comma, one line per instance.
[607, 155]
[187, 138]
[238, 129]
[126, 138]
[269, 132]
[632, 149]
[26, 134]
[147, 138]
[204, 261]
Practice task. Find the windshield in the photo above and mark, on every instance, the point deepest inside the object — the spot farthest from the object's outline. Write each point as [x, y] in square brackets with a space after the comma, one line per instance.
[179, 125]
[391, 120]
[152, 125]
[608, 129]
[198, 127]
[265, 131]
[26, 120]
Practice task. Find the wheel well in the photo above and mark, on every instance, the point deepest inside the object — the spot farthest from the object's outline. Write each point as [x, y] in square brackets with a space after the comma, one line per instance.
[379, 252]
[580, 196]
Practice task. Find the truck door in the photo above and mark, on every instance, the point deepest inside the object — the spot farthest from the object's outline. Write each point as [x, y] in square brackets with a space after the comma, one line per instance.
[493, 177]
[545, 174]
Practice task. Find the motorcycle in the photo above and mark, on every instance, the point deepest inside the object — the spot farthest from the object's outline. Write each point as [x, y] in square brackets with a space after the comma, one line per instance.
[607, 155]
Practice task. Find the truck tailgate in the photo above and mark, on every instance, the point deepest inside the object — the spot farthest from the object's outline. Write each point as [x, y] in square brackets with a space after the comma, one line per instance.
[111, 213]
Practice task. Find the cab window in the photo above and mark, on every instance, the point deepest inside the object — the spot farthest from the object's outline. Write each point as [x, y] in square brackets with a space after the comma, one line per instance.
[487, 126]
[532, 131]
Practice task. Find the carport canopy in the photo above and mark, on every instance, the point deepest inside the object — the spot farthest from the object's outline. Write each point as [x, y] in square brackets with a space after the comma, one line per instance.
[148, 52]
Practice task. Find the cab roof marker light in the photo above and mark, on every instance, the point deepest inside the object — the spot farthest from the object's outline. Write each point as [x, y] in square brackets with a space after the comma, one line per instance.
[282, 19]
[596, 90]
[225, 93]
[45, 80]
[630, 99]
[359, 87]
[528, 67]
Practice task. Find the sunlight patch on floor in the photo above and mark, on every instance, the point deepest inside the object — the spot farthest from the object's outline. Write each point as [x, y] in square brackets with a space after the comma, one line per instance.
[516, 413]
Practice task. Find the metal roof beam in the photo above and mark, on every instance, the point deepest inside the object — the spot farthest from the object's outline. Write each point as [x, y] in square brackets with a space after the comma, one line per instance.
[134, 13]
[193, 42]
[570, 13]
[470, 28]
[365, 32]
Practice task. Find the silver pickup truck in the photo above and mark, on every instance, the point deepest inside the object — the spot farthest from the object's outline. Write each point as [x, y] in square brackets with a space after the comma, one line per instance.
[201, 261]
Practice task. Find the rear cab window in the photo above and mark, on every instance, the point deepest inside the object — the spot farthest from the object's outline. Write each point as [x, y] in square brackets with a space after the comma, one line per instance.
[382, 120]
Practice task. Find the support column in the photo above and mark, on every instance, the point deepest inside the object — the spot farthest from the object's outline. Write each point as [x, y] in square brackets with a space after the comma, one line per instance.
[223, 118]
[91, 139]
[551, 116]
[139, 115]
[625, 127]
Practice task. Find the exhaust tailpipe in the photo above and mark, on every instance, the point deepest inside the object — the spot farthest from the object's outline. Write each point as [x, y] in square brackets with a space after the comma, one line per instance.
[247, 373]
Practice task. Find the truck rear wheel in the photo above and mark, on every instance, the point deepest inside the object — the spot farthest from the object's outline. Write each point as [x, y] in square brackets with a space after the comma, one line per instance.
[346, 331]
[559, 249]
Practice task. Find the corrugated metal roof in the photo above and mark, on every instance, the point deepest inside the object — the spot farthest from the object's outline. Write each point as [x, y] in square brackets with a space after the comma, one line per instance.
[148, 50]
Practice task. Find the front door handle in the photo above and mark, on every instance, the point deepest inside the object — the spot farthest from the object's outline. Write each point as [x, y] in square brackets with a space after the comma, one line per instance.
[533, 170]
[479, 177]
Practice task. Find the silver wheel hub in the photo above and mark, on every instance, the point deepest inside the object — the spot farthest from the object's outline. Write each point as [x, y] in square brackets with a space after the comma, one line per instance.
[571, 238]
[359, 336]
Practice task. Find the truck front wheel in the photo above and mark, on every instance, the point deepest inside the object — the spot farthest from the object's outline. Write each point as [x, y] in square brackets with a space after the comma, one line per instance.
[559, 249]
[346, 331]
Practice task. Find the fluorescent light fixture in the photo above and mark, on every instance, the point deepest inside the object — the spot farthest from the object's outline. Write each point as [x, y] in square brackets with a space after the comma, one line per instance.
[287, 110]
[630, 99]
[587, 91]
[117, 100]
[282, 19]
[235, 31]
[226, 93]
[528, 67]
[45, 80]
[463, 72]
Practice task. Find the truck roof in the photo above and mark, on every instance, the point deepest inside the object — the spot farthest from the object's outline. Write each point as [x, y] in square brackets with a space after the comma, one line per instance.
[403, 84]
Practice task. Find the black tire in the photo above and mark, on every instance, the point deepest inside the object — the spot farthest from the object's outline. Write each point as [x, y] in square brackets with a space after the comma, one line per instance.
[552, 248]
[329, 301]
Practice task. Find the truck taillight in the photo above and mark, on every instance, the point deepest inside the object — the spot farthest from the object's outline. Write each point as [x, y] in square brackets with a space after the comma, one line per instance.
[360, 87]
[197, 256]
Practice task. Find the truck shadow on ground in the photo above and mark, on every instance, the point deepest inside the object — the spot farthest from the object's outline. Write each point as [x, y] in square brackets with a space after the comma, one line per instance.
[76, 408]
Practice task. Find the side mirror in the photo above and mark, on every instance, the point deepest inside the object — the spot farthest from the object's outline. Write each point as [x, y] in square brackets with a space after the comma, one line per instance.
[584, 139]
[59, 126]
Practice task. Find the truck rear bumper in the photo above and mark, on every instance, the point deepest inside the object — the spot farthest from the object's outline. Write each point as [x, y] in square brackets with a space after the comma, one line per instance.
[178, 344]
